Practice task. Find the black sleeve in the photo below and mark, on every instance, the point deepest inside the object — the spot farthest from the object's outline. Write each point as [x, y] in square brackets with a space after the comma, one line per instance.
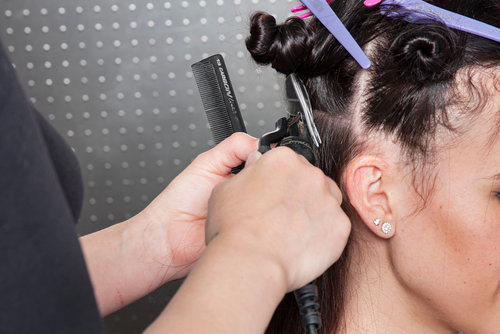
[44, 283]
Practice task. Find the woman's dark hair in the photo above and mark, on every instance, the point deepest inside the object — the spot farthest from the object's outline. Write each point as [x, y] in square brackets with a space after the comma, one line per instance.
[406, 94]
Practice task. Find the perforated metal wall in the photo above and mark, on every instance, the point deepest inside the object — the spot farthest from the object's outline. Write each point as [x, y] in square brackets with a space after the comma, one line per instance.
[114, 78]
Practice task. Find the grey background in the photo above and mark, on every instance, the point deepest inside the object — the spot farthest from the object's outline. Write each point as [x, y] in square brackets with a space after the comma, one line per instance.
[114, 78]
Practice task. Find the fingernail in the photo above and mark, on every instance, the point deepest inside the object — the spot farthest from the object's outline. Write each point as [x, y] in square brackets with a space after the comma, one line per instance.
[252, 157]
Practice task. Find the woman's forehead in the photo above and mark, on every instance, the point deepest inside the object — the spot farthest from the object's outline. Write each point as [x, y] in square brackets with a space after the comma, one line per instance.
[476, 85]
[473, 111]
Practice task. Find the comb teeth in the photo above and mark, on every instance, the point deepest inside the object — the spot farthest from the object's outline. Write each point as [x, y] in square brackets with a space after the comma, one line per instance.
[218, 98]
[213, 101]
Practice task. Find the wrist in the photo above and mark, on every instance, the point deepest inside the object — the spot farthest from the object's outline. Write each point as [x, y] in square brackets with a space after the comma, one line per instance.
[146, 238]
[235, 287]
[248, 256]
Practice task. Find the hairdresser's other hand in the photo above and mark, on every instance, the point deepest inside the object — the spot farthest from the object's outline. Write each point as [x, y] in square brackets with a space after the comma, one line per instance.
[282, 211]
[178, 214]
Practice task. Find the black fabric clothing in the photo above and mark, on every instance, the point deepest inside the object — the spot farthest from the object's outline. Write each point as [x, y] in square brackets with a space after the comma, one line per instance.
[44, 283]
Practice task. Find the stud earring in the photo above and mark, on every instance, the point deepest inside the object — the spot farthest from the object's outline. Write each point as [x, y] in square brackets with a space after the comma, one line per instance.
[377, 221]
[386, 228]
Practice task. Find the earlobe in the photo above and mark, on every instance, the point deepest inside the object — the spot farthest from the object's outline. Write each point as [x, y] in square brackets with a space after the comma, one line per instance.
[367, 188]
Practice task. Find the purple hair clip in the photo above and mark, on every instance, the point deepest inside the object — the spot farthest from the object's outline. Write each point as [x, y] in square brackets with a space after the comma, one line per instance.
[418, 11]
[330, 20]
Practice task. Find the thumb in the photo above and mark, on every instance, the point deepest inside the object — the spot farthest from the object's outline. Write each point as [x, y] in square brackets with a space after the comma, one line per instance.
[228, 154]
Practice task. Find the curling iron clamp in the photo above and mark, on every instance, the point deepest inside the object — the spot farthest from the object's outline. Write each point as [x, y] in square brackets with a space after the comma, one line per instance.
[298, 131]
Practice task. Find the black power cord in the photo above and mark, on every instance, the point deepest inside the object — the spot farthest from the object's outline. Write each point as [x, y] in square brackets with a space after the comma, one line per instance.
[307, 296]
[307, 300]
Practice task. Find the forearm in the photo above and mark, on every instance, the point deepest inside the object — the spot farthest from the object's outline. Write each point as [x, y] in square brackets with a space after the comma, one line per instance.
[230, 290]
[126, 261]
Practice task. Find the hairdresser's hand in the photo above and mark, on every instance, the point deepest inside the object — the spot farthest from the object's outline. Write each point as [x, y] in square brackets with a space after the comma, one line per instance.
[281, 211]
[178, 214]
[272, 228]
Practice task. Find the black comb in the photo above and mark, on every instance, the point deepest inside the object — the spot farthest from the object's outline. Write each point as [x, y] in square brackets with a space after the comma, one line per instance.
[218, 99]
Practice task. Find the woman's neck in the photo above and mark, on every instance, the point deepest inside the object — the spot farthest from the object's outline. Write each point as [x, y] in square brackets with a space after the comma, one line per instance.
[378, 302]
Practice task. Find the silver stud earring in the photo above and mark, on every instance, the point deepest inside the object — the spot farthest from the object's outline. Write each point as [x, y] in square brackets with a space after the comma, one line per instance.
[377, 221]
[386, 228]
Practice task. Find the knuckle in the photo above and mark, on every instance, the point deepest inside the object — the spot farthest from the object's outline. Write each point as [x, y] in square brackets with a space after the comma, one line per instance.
[344, 227]
[239, 136]
[240, 139]
[201, 157]
[317, 174]
[337, 193]
[334, 189]
[283, 152]
[315, 178]
[282, 157]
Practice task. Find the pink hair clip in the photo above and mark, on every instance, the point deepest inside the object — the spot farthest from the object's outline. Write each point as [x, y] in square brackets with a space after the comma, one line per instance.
[368, 3]
[303, 8]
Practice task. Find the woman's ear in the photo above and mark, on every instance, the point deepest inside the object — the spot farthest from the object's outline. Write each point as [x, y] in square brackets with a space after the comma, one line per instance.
[367, 182]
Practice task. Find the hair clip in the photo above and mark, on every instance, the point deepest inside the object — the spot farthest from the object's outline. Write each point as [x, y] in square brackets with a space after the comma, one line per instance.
[418, 11]
[325, 14]
[302, 8]
[305, 103]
